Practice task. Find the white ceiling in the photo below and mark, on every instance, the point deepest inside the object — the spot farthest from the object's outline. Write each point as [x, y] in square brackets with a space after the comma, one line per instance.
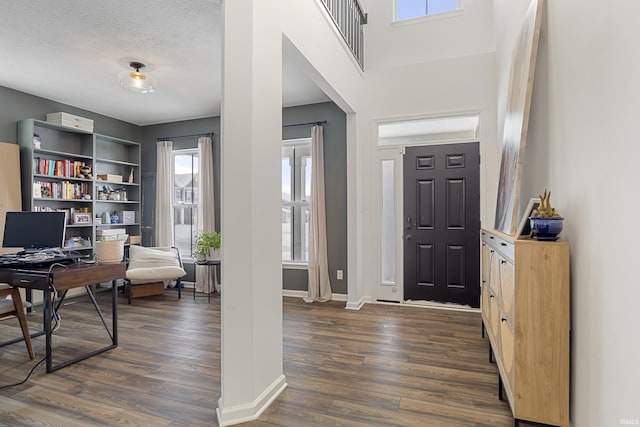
[71, 51]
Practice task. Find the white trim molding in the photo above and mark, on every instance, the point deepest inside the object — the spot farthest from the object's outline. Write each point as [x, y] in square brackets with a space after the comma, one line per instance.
[250, 412]
[302, 294]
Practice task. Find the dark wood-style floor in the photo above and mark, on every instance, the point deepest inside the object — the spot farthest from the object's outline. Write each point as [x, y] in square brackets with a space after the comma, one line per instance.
[381, 366]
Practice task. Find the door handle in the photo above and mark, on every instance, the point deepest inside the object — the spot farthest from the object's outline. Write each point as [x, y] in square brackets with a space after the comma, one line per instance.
[408, 236]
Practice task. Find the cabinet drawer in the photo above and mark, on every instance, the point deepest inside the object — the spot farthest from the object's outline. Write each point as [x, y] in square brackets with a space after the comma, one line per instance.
[502, 246]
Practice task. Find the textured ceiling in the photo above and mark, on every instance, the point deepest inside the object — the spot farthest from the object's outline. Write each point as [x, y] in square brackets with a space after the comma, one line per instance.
[71, 51]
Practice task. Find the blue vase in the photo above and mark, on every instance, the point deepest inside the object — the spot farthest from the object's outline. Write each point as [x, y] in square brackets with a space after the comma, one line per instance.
[115, 218]
[546, 228]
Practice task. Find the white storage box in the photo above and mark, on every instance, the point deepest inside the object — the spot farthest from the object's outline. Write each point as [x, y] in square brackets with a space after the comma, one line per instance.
[127, 217]
[69, 120]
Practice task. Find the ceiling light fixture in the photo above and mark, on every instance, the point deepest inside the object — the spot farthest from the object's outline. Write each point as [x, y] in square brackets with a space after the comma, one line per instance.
[135, 81]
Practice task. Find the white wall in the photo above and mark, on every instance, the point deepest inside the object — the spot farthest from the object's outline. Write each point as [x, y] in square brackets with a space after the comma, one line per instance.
[430, 68]
[441, 37]
[255, 34]
[583, 145]
[465, 84]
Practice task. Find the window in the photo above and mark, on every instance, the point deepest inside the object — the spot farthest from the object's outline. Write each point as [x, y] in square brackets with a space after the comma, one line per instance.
[296, 199]
[185, 200]
[409, 9]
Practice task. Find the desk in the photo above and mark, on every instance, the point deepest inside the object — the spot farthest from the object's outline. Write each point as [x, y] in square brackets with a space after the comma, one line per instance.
[61, 279]
[210, 265]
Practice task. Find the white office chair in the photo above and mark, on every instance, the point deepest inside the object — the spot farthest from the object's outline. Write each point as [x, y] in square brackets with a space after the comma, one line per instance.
[149, 268]
[15, 307]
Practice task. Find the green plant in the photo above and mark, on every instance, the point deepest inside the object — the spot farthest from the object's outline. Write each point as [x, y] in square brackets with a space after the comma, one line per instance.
[207, 240]
[545, 210]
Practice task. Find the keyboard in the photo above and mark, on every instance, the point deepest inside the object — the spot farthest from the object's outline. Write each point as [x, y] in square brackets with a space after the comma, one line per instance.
[36, 260]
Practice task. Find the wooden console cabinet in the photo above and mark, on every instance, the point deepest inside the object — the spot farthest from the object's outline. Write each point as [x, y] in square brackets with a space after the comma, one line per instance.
[526, 313]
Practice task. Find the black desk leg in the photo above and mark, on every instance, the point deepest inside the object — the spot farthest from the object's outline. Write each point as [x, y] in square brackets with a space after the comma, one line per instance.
[114, 312]
[47, 328]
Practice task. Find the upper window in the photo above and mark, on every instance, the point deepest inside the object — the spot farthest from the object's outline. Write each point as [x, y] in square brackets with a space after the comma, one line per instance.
[296, 199]
[410, 9]
[185, 200]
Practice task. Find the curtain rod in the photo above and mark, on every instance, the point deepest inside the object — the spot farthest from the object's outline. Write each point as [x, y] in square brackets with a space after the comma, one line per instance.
[165, 138]
[305, 124]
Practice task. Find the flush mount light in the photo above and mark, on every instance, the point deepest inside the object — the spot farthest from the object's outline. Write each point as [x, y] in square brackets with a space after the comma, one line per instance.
[135, 81]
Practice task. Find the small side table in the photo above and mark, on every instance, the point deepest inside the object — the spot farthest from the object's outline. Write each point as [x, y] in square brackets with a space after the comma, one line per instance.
[210, 264]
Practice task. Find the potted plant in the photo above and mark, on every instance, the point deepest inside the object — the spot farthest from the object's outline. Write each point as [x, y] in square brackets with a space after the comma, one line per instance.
[546, 223]
[207, 245]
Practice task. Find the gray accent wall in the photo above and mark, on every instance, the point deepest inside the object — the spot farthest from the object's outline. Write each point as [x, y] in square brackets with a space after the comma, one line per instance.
[16, 106]
[177, 132]
[335, 175]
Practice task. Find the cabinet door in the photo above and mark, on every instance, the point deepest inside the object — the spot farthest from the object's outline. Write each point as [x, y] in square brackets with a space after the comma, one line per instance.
[486, 252]
[507, 287]
[507, 351]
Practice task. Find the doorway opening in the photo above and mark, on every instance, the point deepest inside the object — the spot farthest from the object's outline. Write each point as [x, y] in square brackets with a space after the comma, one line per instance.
[429, 199]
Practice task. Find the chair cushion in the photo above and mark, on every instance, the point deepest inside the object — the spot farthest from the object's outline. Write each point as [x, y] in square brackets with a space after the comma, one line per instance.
[153, 264]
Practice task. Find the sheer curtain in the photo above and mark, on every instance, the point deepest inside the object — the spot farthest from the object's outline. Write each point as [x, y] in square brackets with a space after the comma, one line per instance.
[319, 283]
[206, 212]
[164, 209]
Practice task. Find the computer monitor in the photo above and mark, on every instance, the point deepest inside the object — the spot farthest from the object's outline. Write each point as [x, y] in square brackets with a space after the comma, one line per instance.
[34, 231]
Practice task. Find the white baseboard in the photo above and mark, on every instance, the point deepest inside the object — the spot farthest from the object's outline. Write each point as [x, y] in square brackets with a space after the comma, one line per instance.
[357, 305]
[250, 411]
[302, 294]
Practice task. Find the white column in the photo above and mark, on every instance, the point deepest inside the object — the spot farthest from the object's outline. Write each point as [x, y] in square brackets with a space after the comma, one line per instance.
[252, 373]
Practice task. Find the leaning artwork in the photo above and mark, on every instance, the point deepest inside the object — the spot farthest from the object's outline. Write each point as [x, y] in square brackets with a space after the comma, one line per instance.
[523, 64]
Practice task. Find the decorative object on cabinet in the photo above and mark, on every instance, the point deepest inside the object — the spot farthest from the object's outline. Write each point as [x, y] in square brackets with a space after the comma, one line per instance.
[69, 120]
[546, 223]
[524, 227]
[82, 218]
[85, 172]
[516, 119]
[109, 177]
[526, 312]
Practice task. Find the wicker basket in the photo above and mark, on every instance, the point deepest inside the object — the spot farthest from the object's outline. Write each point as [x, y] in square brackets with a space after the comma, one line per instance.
[110, 251]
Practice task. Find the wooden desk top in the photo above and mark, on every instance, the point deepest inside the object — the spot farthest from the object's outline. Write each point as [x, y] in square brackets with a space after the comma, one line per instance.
[73, 276]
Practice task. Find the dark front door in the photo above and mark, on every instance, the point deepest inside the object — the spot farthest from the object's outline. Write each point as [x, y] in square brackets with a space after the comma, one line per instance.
[442, 223]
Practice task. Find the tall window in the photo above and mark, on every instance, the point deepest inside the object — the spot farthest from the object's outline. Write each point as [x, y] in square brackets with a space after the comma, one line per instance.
[296, 199]
[185, 200]
[409, 9]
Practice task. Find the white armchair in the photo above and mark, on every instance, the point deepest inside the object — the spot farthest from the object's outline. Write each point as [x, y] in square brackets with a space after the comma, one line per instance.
[149, 268]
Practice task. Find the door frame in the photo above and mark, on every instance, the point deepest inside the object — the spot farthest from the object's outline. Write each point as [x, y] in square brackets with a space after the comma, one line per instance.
[394, 291]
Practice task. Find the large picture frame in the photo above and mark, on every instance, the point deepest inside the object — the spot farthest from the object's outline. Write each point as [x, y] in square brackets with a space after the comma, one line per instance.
[524, 227]
[516, 119]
